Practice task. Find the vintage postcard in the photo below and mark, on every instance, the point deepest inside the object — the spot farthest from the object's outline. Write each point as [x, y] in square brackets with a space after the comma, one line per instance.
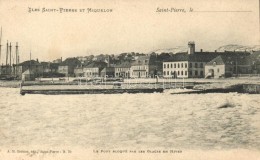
[128, 79]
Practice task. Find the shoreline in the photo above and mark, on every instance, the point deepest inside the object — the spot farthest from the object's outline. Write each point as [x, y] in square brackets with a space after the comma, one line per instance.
[243, 85]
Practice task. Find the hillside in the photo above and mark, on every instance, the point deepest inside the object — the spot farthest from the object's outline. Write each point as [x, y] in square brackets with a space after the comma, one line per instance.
[230, 47]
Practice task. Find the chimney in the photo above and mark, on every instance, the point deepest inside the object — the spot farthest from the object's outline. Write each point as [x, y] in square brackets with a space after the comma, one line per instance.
[191, 46]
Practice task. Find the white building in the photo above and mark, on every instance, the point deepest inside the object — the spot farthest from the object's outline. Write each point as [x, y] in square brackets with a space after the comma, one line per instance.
[140, 67]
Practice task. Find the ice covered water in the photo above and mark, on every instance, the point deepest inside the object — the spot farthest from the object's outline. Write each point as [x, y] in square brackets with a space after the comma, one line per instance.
[206, 121]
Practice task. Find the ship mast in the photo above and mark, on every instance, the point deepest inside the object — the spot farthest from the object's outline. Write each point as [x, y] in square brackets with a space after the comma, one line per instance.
[30, 64]
[0, 45]
[6, 53]
[10, 58]
[16, 57]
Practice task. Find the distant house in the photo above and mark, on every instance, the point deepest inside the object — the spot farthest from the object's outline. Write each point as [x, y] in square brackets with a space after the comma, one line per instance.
[227, 66]
[6, 70]
[255, 59]
[67, 67]
[123, 69]
[140, 67]
[33, 68]
[93, 69]
[108, 72]
[57, 60]
[51, 69]
[220, 66]
[78, 71]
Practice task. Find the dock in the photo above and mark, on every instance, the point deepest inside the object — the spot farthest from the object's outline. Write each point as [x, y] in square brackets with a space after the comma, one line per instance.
[117, 88]
[90, 91]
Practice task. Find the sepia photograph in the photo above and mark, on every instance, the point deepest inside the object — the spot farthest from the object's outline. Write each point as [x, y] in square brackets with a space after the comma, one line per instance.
[121, 79]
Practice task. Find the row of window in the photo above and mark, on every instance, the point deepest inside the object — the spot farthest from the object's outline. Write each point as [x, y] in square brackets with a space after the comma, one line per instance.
[139, 67]
[182, 65]
[172, 73]
[122, 69]
[91, 73]
[174, 65]
[140, 73]
[119, 74]
[196, 73]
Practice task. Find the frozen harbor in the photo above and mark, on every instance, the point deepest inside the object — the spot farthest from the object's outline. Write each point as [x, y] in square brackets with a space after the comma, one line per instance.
[206, 121]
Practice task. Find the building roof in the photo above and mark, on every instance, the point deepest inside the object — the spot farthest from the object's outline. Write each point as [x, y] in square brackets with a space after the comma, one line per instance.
[71, 62]
[108, 69]
[255, 56]
[28, 63]
[96, 65]
[123, 65]
[231, 60]
[141, 60]
[204, 56]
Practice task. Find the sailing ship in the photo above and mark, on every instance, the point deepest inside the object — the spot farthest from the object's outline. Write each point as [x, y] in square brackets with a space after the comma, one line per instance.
[9, 70]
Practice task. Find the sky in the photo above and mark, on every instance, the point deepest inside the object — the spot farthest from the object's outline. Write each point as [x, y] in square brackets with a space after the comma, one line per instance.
[132, 26]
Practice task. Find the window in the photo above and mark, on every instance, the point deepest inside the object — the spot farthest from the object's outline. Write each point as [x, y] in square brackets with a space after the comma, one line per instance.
[174, 65]
[201, 73]
[190, 73]
[190, 65]
[218, 69]
[167, 72]
[164, 66]
[178, 72]
[196, 73]
[178, 65]
[181, 65]
[167, 65]
[185, 73]
[196, 65]
[201, 65]
[181, 72]
[171, 65]
[185, 65]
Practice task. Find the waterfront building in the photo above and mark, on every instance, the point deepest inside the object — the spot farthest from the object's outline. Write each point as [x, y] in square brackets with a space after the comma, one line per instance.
[140, 67]
[78, 71]
[191, 64]
[93, 69]
[108, 72]
[143, 67]
[255, 59]
[123, 69]
[227, 66]
[67, 67]
[183, 65]
[30, 69]
[5, 70]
